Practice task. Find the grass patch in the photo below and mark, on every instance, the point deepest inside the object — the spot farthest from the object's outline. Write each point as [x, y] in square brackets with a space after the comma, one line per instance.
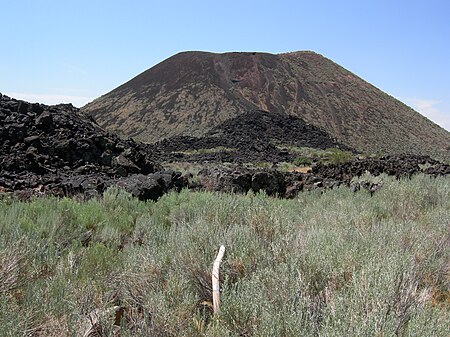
[307, 156]
[205, 151]
[325, 264]
[302, 161]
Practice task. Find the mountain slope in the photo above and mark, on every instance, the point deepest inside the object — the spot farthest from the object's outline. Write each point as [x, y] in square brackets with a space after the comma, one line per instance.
[192, 92]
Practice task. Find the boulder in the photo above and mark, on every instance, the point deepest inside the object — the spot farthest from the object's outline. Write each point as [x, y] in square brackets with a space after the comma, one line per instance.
[293, 190]
[271, 182]
[44, 120]
[144, 187]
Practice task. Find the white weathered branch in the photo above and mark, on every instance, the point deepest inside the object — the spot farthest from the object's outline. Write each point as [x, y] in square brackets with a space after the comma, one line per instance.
[215, 280]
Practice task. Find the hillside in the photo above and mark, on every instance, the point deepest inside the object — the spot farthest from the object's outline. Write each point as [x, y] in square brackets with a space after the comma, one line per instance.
[192, 92]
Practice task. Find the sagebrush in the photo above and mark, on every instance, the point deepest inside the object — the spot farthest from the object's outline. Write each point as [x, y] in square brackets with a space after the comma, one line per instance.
[325, 264]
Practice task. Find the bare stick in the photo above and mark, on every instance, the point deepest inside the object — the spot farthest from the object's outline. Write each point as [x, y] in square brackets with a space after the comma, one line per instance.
[215, 280]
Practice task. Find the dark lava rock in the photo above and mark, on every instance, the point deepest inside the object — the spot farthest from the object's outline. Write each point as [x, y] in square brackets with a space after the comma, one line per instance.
[243, 180]
[294, 189]
[274, 127]
[272, 183]
[44, 120]
[55, 150]
[399, 166]
[62, 138]
[142, 186]
[152, 186]
[289, 184]
[251, 137]
[438, 169]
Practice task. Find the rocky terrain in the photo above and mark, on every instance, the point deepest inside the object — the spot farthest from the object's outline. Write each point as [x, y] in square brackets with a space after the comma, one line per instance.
[255, 136]
[289, 184]
[191, 93]
[56, 150]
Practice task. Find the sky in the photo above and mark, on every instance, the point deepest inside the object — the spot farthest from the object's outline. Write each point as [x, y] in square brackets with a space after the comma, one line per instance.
[75, 51]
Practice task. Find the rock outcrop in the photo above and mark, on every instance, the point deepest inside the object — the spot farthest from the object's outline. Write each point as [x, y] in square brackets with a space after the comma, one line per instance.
[289, 184]
[255, 136]
[57, 150]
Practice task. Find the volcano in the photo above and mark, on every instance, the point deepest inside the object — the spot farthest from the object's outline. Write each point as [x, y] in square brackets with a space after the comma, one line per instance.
[191, 93]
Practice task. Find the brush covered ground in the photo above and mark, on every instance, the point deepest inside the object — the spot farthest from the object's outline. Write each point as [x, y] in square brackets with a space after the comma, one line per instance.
[330, 263]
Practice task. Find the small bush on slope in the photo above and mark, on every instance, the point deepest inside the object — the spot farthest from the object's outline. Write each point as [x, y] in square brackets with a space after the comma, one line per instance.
[331, 264]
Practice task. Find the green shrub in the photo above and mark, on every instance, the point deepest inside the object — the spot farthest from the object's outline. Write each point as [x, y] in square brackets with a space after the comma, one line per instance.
[337, 156]
[302, 161]
[325, 264]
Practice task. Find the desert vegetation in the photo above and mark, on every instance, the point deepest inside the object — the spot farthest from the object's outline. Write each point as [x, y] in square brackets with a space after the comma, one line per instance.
[333, 263]
[306, 155]
[205, 151]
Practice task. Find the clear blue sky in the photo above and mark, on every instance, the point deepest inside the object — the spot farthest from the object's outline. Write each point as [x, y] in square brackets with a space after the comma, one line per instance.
[54, 51]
